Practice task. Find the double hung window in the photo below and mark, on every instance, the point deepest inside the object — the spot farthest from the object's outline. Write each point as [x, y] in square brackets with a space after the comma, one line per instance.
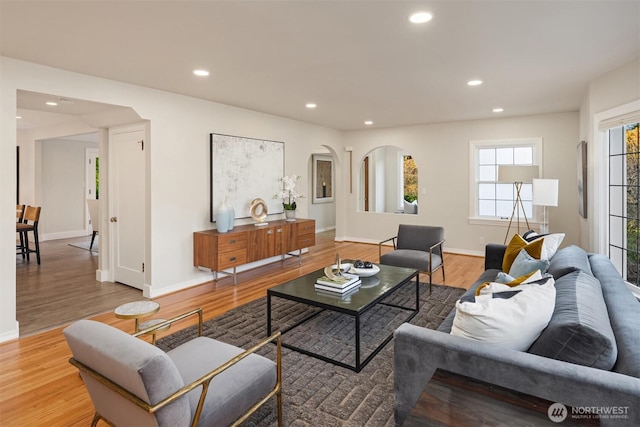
[492, 199]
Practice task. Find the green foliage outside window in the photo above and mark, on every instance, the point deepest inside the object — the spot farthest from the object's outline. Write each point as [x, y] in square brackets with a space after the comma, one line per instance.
[632, 138]
[410, 179]
[97, 178]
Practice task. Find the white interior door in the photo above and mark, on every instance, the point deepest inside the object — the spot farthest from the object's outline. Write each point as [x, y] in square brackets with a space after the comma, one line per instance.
[127, 204]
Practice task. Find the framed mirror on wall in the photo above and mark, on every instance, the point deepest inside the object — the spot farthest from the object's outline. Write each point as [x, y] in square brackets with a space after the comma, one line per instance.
[388, 181]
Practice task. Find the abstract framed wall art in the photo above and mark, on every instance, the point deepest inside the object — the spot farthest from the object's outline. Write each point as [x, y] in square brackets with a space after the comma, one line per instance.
[242, 169]
[323, 178]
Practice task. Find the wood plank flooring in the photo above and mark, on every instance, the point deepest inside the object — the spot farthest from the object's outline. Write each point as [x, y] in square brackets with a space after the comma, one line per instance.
[63, 288]
[38, 387]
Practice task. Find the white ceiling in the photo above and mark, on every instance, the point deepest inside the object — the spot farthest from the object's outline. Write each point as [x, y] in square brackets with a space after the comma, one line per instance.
[357, 60]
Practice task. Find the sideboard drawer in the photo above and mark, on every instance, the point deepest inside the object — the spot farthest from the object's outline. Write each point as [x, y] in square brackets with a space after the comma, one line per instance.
[232, 258]
[232, 242]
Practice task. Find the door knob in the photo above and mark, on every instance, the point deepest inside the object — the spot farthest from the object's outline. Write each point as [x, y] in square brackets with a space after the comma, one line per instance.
[113, 219]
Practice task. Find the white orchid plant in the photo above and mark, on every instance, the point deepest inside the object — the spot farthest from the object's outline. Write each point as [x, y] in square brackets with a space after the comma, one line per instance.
[288, 193]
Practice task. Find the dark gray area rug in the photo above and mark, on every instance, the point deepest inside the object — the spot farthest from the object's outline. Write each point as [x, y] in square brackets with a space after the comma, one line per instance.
[317, 393]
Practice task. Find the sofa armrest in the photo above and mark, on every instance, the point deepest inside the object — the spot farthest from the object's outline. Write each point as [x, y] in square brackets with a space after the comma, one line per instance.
[420, 351]
[493, 254]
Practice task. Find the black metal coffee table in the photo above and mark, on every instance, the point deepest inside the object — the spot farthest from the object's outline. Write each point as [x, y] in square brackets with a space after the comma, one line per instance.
[376, 292]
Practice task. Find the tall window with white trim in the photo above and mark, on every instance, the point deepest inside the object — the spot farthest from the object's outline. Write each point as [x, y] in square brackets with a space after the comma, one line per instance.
[624, 192]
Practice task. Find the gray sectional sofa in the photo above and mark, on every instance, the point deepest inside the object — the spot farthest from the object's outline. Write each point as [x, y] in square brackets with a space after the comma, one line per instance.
[588, 355]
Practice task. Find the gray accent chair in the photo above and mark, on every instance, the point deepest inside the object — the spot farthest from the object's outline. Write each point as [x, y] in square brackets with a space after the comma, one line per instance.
[203, 382]
[416, 246]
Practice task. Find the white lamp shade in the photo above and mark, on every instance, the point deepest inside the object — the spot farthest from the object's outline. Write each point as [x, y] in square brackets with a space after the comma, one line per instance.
[509, 173]
[545, 192]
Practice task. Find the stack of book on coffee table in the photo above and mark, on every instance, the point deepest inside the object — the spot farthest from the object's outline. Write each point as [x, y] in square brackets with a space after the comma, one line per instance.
[340, 285]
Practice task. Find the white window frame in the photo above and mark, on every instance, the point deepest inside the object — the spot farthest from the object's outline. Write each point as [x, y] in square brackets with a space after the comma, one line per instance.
[599, 206]
[474, 147]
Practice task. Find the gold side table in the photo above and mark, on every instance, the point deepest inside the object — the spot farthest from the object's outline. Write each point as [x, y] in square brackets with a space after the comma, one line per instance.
[135, 310]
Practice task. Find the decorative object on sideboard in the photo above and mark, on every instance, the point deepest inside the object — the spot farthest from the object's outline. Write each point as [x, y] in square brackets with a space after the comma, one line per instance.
[545, 193]
[258, 211]
[232, 215]
[518, 175]
[288, 194]
[222, 217]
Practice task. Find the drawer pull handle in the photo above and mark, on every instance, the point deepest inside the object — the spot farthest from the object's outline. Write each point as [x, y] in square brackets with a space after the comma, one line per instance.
[270, 232]
[232, 258]
[232, 241]
[279, 230]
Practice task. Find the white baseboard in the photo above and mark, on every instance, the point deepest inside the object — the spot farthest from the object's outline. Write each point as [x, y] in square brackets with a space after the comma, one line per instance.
[63, 235]
[320, 230]
[11, 335]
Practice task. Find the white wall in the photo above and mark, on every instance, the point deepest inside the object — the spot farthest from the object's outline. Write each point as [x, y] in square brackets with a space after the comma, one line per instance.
[441, 152]
[62, 182]
[178, 166]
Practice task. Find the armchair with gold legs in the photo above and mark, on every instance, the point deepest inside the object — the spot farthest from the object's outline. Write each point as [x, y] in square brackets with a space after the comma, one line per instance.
[203, 382]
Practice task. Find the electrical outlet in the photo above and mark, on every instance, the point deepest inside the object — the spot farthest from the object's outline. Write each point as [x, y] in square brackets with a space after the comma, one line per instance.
[481, 240]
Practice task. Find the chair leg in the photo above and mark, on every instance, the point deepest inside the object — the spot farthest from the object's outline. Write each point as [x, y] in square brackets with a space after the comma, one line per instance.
[25, 248]
[37, 242]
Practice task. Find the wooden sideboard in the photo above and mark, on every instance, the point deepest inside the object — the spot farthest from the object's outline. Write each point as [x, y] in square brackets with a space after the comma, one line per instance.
[249, 243]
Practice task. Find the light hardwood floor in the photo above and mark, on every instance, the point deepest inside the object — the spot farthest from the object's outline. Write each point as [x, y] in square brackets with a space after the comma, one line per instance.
[38, 387]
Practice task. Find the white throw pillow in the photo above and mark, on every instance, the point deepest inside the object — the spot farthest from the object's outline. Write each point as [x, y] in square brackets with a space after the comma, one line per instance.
[550, 244]
[514, 322]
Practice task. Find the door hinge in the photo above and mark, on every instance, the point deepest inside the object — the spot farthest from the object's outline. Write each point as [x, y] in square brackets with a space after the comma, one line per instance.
[143, 267]
[141, 142]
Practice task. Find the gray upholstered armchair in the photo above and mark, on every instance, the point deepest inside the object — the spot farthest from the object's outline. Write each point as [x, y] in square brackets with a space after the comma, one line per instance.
[416, 246]
[201, 382]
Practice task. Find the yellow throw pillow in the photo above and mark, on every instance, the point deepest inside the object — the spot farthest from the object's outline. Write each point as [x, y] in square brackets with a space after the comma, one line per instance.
[516, 244]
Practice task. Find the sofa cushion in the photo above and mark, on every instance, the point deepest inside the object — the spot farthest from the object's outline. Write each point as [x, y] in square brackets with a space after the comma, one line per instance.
[525, 264]
[579, 330]
[567, 260]
[623, 318]
[516, 244]
[232, 392]
[512, 321]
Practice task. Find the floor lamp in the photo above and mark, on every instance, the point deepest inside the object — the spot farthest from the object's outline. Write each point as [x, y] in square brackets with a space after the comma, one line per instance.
[518, 175]
[545, 193]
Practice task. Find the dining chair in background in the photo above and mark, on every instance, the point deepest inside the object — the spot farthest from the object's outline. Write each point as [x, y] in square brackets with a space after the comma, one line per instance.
[29, 224]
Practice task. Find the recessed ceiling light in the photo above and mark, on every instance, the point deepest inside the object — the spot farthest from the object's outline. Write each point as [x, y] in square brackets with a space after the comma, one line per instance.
[201, 73]
[311, 105]
[421, 17]
[498, 110]
[52, 104]
[18, 117]
[368, 122]
[474, 82]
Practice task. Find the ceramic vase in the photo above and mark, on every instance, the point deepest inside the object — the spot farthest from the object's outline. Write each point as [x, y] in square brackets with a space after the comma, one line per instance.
[222, 217]
[232, 216]
[290, 215]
